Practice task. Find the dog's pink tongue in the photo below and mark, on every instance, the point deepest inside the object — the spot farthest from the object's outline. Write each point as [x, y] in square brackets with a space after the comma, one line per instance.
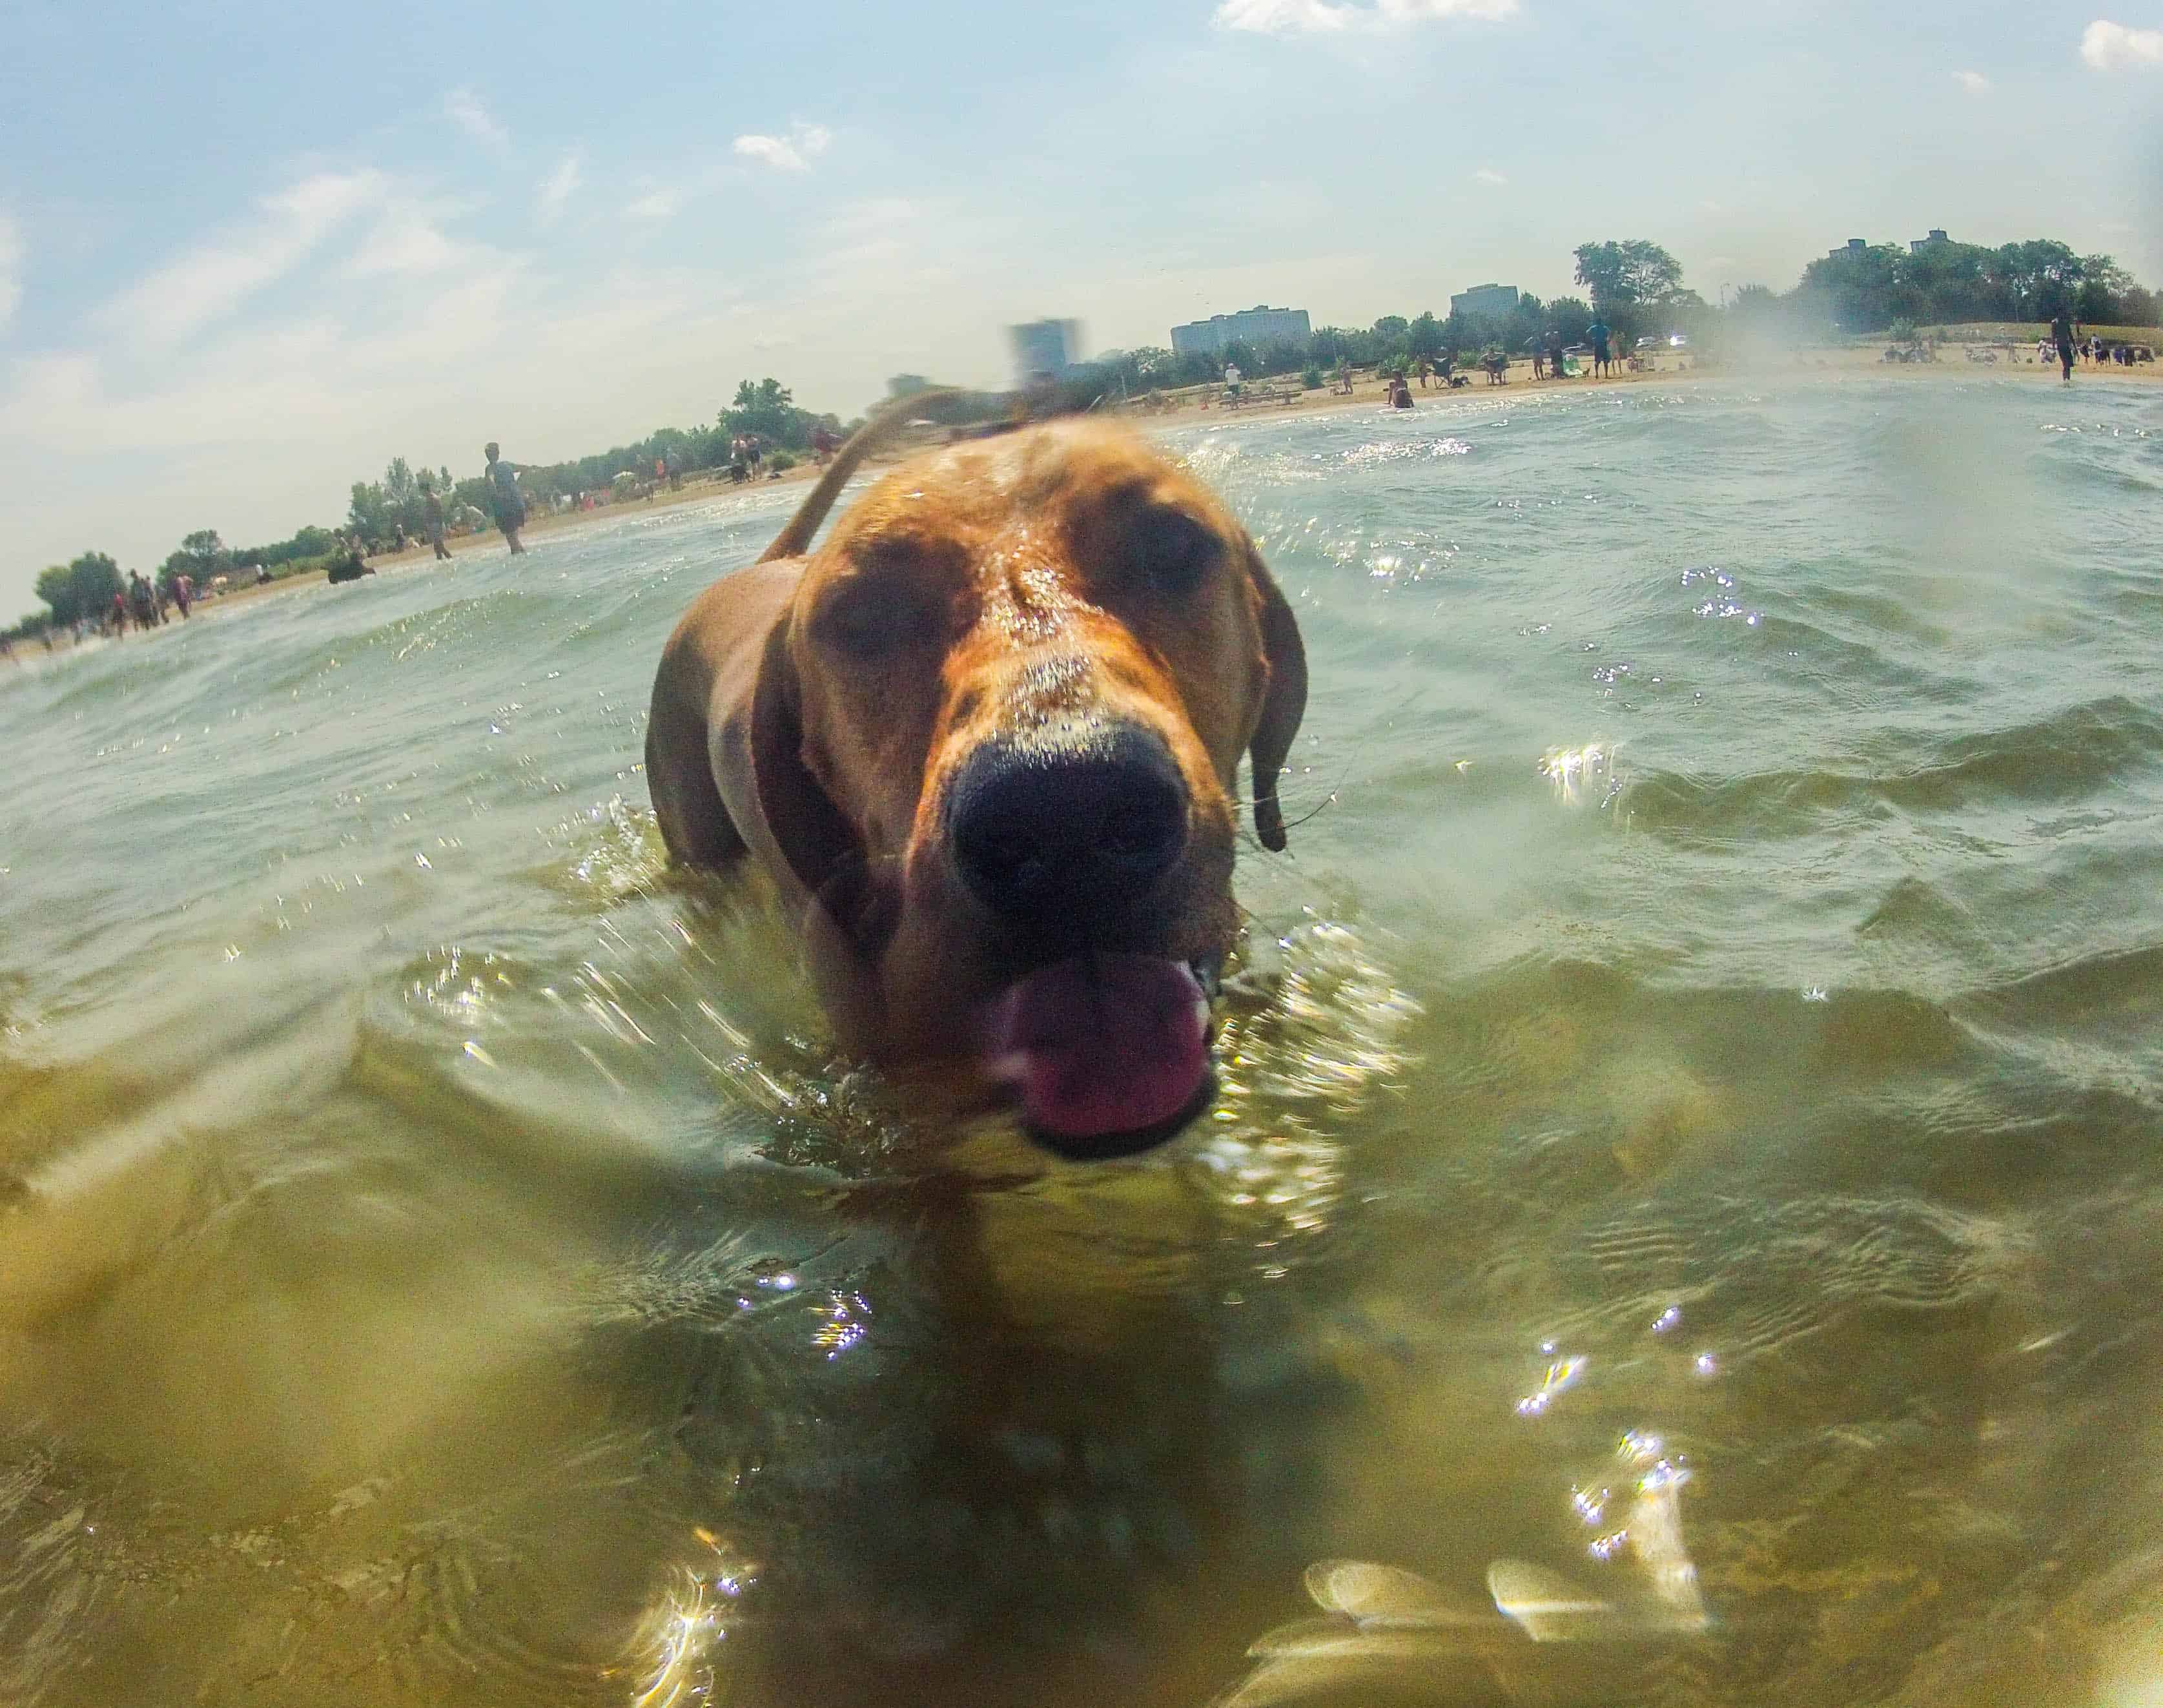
[1100, 1046]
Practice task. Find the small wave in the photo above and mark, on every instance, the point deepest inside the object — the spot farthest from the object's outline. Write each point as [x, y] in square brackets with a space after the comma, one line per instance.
[2066, 756]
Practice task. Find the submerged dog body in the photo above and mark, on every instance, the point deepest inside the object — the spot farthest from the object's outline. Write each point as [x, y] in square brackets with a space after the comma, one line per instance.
[986, 740]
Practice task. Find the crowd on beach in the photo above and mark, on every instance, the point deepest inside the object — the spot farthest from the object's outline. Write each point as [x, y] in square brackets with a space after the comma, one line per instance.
[1552, 359]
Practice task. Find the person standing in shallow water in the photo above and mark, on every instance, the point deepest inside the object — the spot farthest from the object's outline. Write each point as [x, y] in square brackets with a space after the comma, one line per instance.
[432, 517]
[2062, 334]
[504, 496]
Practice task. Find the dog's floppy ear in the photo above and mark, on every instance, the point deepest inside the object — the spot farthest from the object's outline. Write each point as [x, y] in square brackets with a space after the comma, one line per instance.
[814, 837]
[1283, 703]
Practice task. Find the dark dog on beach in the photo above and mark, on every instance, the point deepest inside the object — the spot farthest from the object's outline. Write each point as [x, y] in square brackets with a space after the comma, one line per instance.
[986, 740]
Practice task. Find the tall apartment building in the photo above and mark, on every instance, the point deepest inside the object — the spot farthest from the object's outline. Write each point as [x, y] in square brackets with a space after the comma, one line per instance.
[1044, 347]
[1484, 299]
[1253, 327]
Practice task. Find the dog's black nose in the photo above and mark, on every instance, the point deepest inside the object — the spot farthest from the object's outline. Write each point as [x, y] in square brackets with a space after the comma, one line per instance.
[1054, 833]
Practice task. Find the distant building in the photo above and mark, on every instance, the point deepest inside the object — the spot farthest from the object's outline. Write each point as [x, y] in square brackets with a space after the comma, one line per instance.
[1853, 246]
[907, 385]
[1937, 237]
[1044, 347]
[1484, 299]
[1255, 326]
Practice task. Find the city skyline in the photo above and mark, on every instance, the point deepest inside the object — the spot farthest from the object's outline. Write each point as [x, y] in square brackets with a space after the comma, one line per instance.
[233, 282]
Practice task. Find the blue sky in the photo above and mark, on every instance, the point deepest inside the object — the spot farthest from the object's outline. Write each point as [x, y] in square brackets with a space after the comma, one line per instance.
[248, 252]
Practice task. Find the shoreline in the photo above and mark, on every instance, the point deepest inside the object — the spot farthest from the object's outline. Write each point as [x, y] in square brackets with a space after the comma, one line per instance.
[1367, 393]
[1188, 409]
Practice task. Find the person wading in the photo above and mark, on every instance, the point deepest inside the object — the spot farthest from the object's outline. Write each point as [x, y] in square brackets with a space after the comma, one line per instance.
[504, 497]
[2062, 334]
[432, 517]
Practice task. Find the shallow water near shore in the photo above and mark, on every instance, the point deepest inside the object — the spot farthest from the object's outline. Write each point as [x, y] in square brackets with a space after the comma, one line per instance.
[1689, 1128]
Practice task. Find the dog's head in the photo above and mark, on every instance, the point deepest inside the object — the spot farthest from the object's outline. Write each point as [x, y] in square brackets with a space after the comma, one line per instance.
[998, 733]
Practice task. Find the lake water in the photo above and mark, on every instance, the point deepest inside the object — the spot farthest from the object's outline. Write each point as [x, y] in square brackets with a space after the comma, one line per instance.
[1691, 1127]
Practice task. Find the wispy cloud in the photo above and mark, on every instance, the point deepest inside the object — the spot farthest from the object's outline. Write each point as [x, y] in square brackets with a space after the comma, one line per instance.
[465, 109]
[2112, 47]
[212, 279]
[11, 269]
[656, 204]
[1974, 82]
[1488, 175]
[405, 241]
[792, 153]
[1328, 17]
[558, 188]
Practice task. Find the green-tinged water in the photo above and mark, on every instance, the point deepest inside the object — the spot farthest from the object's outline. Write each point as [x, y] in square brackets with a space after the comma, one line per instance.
[1691, 1126]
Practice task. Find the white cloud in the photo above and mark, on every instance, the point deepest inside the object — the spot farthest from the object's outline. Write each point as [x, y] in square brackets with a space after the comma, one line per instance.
[11, 269]
[405, 241]
[214, 279]
[1488, 175]
[558, 188]
[1328, 17]
[2112, 47]
[656, 204]
[464, 109]
[794, 153]
[1973, 81]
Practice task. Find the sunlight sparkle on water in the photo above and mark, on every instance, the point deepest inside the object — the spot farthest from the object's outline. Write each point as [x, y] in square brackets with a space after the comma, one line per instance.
[1571, 769]
[1561, 1374]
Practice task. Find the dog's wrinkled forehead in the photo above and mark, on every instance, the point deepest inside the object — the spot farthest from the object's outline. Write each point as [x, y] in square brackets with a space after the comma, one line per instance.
[1011, 507]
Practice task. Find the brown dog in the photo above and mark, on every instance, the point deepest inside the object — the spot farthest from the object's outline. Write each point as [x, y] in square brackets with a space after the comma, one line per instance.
[986, 740]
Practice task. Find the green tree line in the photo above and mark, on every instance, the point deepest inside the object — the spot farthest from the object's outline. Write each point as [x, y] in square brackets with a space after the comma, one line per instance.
[377, 511]
[1869, 288]
[1636, 287]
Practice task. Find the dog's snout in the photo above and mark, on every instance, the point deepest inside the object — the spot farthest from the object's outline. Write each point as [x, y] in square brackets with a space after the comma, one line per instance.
[1052, 833]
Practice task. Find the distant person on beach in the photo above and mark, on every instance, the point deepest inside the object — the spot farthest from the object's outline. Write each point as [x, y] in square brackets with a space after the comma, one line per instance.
[2062, 333]
[1400, 394]
[1539, 357]
[1344, 375]
[1597, 335]
[432, 517]
[184, 594]
[1231, 377]
[505, 497]
[1554, 355]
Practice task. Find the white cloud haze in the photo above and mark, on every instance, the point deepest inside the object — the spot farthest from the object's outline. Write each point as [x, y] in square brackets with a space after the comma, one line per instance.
[557, 189]
[211, 281]
[2112, 47]
[1327, 17]
[464, 109]
[1973, 81]
[11, 269]
[794, 153]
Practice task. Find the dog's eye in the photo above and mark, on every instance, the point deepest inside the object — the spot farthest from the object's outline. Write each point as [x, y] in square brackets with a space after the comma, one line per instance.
[1173, 551]
[875, 622]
